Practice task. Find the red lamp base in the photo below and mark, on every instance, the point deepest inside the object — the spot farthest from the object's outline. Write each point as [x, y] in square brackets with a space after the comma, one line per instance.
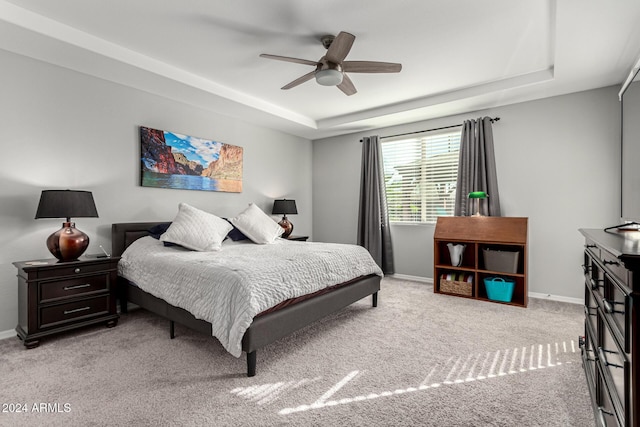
[68, 243]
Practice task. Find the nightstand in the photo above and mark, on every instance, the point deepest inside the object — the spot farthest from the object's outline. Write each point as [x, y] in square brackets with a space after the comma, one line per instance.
[55, 296]
[298, 238]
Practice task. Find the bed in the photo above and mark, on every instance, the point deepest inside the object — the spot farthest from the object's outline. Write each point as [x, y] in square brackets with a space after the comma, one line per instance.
[264, 328]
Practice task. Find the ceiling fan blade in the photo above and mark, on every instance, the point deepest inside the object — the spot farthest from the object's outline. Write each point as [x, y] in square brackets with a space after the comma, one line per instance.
[371, 67]
[347, 86]
[287, 59]
[340, 47]
[300, 80]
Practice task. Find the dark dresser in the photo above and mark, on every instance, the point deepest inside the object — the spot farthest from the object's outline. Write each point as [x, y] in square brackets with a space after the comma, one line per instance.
[54, 296]
[611, 343]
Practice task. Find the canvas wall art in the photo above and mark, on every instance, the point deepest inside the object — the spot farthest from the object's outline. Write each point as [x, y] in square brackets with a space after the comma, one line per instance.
[173, 160]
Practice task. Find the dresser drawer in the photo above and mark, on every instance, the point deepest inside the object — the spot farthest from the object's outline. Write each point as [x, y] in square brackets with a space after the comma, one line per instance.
[615, 266]
[589, 356]
[591, 309]
[611, 268]
[617, 312]
[616, 371]
[594, 274]
[592, 248]
[51, 291]
[71, 270]
[605, 412]
[56, 315]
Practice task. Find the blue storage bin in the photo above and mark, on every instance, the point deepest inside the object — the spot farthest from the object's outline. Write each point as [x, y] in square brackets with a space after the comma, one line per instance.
[499, 288]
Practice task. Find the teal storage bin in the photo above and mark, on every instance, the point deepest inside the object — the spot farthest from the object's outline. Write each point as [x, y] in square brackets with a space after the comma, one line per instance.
[499, 288]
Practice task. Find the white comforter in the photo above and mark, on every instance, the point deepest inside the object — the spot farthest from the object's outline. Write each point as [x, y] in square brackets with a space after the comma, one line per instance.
[229, 287]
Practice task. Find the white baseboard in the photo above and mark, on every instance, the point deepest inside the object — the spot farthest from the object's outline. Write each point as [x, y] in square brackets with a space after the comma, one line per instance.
[12, 333]
[559, 298]
[428, 280]
[7, 334]
[550, 297]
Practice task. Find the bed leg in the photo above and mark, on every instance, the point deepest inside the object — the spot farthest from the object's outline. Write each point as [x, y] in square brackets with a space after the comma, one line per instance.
[374, 298]
[122, 297]
[172, 329]
[251, 364]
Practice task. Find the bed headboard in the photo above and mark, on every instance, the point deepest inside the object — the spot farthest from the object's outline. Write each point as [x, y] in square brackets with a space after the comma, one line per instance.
[125, 233]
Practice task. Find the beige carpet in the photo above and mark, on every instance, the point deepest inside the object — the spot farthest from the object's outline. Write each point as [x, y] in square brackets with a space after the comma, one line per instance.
[417, 359]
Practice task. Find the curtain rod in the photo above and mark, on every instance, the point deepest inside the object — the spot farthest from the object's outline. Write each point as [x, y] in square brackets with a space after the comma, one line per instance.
[495, 119]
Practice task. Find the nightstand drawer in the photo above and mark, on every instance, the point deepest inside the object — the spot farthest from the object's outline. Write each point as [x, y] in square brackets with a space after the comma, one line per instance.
[62, 313]
[72, 270]
[51, 291]
[55, 297]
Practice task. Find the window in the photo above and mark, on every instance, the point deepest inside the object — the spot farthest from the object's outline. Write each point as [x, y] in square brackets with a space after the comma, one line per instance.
[420, 174]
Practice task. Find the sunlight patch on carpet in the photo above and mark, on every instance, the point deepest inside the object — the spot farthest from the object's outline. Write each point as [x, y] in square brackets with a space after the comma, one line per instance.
[267, 393]
[456, 370]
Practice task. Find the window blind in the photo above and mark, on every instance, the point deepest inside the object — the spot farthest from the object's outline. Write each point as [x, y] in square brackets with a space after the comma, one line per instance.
[420, 175]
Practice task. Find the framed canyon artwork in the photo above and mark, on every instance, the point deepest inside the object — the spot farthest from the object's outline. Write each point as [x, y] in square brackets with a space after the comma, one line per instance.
[173, 160]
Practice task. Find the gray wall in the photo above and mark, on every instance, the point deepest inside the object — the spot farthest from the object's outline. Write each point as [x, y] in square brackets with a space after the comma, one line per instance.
[61, 129]
[558, 164]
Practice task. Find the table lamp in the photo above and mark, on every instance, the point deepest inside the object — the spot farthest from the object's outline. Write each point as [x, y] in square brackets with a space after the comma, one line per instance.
[476, 196]
[285, 207]
[68, 243]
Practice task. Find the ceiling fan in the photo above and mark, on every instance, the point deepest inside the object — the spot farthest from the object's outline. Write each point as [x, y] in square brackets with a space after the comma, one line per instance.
[331, 69]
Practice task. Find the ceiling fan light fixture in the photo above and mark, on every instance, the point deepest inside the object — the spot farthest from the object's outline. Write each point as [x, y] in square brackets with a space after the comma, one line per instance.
[332, 69]
[329, 77]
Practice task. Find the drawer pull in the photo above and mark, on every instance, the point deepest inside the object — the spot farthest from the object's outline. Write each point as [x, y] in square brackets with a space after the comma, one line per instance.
[77, 270]
[601, 414]
[586, 356]
[603, 357]
[583, 345]
[77, 310]
[611, 262]
[609, 306]
[594, 283]
[70, 288]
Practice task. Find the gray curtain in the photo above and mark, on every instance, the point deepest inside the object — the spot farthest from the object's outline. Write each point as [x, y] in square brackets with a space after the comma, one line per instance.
[477, 169]
[373, 219]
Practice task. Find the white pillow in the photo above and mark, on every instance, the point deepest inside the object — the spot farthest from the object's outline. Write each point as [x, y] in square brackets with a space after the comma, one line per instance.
[257, 225]
[196, 229]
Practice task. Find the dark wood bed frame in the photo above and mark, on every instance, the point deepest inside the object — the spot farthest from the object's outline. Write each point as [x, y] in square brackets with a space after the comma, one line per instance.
[264, 329]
